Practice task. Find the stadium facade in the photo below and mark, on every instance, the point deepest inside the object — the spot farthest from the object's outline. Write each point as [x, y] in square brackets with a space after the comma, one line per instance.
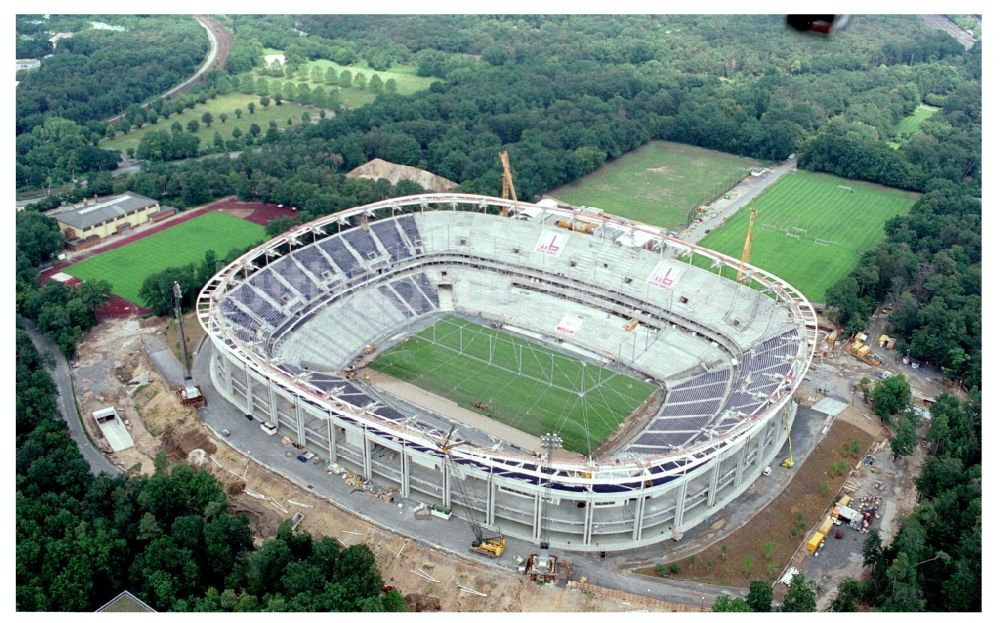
[287, 319]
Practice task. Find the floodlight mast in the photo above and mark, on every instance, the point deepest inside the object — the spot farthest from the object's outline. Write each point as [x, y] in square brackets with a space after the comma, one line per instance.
[180, 325]
[550, 441]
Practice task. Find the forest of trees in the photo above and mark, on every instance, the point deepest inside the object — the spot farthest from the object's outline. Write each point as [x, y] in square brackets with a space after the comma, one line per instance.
[169, 538]
[934, 562]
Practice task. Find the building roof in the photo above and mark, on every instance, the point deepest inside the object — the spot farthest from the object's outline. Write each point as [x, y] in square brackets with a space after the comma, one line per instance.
[103, 208]
[125, 602]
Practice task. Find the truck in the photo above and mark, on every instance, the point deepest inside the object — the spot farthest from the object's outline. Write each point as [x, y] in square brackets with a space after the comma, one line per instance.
[826, 527]
[815, 542]
[863, 352]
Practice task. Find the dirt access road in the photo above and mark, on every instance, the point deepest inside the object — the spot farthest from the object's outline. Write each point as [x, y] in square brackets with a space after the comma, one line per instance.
[220, 41]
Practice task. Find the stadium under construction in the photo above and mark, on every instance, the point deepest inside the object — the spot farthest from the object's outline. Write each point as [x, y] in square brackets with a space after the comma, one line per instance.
[290, 322]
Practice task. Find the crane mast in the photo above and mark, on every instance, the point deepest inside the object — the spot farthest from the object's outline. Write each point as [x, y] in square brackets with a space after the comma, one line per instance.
[507, 192]
[747, 245]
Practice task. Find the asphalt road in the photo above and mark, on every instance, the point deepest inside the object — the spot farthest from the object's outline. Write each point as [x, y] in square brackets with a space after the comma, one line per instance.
[67, 403]
[453, 536]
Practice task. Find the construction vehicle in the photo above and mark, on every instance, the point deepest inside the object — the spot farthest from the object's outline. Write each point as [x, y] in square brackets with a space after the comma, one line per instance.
[747, 245]
[492, 546]
[507, 192]
[369, 349]
[632, 324]
[584, 227]
[544, 567]
[788, 462]
[863, 352]
[190, 394]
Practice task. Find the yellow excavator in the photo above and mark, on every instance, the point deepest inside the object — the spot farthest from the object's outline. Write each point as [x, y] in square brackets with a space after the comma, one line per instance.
[788, 462]
[492, 546]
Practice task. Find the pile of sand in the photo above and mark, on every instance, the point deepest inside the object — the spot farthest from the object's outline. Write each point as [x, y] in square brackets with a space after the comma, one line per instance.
[395, 173]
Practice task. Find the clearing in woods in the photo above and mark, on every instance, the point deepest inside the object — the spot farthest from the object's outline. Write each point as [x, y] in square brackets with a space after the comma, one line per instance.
[909, 124]
[125, 268]
[407, 80]
[262, 116]
[522, 384]
[812, 228]
[659, 183]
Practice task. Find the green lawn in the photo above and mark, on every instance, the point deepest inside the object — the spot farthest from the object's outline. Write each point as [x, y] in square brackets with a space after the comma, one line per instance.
[407, 80]
[224, 103]
[125, 268]
[542, 399]
[658, 183]
[909, 124]
[839, 225]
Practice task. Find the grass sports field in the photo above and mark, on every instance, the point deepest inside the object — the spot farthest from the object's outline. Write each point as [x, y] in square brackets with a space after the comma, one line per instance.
[836, 220]
[222, 104]
[658, 183]
[909, 124]
[542, 398]
[125, 268]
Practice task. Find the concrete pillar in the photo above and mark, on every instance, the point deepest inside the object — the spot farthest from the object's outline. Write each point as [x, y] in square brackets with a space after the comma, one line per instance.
[679, 513]
[404, 472]
[366, 456]
[491, 501]
[741, 465]
[227, 373]
[248, 387]
[761, 447]
[588, 521]
[445, 484]
[272, 401]
[713, 483]
[640, 508]
[300, 425]
[331, 432]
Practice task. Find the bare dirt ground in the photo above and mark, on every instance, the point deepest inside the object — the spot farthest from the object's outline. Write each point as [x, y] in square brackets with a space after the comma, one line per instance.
[112, 354]
[783, 524]
[193, 333]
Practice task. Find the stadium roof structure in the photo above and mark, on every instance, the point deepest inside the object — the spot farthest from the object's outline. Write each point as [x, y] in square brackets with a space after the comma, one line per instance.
[103, 209]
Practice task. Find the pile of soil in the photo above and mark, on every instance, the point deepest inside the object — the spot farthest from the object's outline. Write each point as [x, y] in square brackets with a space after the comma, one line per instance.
[179, 443]
[415, 602]
[395, 173]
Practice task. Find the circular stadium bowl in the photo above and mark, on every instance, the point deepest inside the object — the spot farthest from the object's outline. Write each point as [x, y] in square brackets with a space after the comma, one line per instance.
[295, 323]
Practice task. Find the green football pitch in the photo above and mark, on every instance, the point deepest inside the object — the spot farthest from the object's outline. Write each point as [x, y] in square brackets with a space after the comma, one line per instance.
[126, 267]
[812, 228]
[523, 384]
[659, 183]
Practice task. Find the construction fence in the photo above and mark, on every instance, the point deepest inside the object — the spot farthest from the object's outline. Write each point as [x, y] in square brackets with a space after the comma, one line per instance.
[632, 598]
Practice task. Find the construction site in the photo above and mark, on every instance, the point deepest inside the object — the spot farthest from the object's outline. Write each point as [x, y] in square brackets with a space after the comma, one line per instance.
[823, 473]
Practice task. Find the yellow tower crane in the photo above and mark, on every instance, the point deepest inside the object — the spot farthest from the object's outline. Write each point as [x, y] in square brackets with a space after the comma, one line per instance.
[747, 245]
[508, 191]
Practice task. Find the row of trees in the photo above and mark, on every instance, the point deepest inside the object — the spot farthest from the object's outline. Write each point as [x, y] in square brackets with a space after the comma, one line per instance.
[801, 597]
[169, 538]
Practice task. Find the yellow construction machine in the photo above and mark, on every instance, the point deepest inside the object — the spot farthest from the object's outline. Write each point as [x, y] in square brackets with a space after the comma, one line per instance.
[789, 462]
[492, 546]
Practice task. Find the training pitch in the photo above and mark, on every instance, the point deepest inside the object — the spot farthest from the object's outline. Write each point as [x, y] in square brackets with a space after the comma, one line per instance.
[523, 384]
[125, 268]
[659, 183]
[812, 228]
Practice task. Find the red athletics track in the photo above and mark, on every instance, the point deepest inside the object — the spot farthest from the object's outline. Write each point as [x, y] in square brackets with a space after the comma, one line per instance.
[117, 307]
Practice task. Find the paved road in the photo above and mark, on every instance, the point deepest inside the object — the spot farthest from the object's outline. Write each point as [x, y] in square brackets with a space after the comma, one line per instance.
[164, 359]
[247, 438]
[723, 208]
[67, 403]
[213, 29]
